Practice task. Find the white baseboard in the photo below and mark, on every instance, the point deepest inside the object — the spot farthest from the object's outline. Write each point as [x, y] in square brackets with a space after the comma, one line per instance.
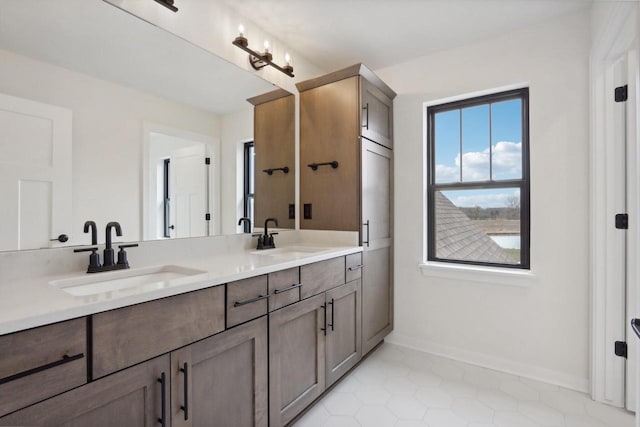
[491, 362]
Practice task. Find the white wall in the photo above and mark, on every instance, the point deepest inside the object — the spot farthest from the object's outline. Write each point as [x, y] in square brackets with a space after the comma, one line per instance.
[107, 137]
[538, 331]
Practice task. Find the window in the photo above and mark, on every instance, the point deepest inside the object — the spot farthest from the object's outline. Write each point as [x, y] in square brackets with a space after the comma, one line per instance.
[249, 166]
[478, 180]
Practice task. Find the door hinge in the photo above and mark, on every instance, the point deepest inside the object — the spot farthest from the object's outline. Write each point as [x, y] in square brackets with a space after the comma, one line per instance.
[621, 349]
[207, 160]
[622, 221]
[621, 93]
[207, 217]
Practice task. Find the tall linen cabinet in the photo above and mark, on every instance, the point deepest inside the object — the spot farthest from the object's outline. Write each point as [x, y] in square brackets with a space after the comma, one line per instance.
[346, 178]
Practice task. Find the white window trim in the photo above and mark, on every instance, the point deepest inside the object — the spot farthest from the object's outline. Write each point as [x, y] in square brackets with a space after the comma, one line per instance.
[477, 273]
[465, 272]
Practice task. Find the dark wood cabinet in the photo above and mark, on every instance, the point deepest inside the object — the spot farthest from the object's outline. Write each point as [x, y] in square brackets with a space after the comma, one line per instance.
[343, 340]
[136, 333]
[296, 358]
[377, 244]
[133, 397]
[41, 362]
[348, 115]
[223, 380]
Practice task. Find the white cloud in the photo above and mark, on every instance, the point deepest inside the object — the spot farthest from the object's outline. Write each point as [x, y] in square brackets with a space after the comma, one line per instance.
[507, 163]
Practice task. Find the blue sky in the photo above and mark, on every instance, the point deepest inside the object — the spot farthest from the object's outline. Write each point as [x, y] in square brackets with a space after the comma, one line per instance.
[474, 126]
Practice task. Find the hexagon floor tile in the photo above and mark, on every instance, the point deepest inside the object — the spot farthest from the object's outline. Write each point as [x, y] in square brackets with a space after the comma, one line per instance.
[399, 387]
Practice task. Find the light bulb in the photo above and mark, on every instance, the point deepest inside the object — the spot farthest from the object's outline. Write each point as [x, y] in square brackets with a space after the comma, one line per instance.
[287, 59]
[266, 46]
[241, 30]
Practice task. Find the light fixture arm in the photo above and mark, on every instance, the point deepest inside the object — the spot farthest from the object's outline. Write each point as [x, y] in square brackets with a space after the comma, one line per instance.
[261, 60]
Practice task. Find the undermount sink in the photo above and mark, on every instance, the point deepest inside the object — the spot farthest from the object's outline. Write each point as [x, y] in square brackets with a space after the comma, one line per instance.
[129, 281]
[289, 251]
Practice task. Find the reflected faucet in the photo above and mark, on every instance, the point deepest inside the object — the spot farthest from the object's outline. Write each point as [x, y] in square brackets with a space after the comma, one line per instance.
[247, 224]
[108, 250]
[94, 231]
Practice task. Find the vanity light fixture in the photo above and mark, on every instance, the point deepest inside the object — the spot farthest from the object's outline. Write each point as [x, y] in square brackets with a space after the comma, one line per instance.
[168, 4]
[261, 60]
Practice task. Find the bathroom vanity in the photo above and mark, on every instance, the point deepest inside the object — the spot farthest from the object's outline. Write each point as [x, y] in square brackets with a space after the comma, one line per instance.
[248, 338]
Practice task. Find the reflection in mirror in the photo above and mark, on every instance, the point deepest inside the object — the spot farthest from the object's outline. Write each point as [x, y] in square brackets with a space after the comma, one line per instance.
[93, 101]
[274, 175]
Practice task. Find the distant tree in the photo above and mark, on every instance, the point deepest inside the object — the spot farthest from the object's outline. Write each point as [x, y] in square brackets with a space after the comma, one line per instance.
[513, 202]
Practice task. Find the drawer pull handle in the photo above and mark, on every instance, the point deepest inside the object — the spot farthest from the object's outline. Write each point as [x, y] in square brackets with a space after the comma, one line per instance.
[65, 359]
[295, 285]
[185, 407]
[163, 383]
[356, 267]
[249, 301]
[333, 313]
[324, 321]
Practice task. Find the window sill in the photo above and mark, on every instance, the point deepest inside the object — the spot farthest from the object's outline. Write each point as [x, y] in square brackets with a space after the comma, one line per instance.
[492, 275]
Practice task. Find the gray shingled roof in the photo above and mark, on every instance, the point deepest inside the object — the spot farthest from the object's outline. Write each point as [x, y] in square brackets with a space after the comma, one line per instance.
[458, 238]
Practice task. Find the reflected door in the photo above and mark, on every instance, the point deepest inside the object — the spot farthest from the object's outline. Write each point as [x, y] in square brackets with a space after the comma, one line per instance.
[35, 173]
[187, 191]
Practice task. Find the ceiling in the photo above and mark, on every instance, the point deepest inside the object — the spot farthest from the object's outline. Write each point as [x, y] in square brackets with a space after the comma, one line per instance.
[337, 33]
[95, 38]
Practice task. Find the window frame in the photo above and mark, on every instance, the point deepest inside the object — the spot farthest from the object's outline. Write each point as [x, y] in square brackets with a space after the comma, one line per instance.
[524, 183]
[248, 194]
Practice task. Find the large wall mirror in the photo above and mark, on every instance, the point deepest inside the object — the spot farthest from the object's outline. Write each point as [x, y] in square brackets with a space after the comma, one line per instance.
[106, 117]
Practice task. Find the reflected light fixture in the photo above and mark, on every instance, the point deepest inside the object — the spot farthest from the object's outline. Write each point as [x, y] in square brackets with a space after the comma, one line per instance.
[261, 60]
[168, 4]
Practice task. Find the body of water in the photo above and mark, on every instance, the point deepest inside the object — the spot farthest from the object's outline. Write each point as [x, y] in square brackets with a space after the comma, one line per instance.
[507, 241]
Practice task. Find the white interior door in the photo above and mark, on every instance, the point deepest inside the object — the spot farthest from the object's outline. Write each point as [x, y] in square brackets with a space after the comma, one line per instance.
[187, 191]
[35, 174]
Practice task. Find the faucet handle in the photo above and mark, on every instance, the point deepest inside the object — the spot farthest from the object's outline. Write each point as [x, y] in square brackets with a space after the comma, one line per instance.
[122, 254]
[94, 258]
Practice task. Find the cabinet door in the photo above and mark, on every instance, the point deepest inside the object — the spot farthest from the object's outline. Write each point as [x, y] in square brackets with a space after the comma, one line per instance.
[343, 342]
[296, 358]
[377, 115]
[376, 237]
[133, 397]
[329, 129]
[222, 381]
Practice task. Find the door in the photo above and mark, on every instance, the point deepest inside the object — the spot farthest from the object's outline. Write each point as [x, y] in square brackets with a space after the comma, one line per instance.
[343, 342]
[35, 174]
[222, 380]
[376, 240]
[296, 358]
[134, 397]
[188, 191]
[377, 114]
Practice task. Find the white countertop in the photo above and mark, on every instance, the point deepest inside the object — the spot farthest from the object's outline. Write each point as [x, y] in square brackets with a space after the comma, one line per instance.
[35, 302]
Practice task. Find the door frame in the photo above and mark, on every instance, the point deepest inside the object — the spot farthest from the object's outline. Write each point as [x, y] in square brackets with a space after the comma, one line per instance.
[618, 37]
[212, 149]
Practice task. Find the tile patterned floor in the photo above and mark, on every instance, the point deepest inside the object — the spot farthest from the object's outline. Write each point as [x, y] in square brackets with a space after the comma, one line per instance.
[396, 386]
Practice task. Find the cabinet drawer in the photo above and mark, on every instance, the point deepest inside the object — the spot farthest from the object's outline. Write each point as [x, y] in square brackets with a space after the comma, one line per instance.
[321, 276]
[354, 267]
[246, 300]
[284, 288]
[42, 362]
[133, 334]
